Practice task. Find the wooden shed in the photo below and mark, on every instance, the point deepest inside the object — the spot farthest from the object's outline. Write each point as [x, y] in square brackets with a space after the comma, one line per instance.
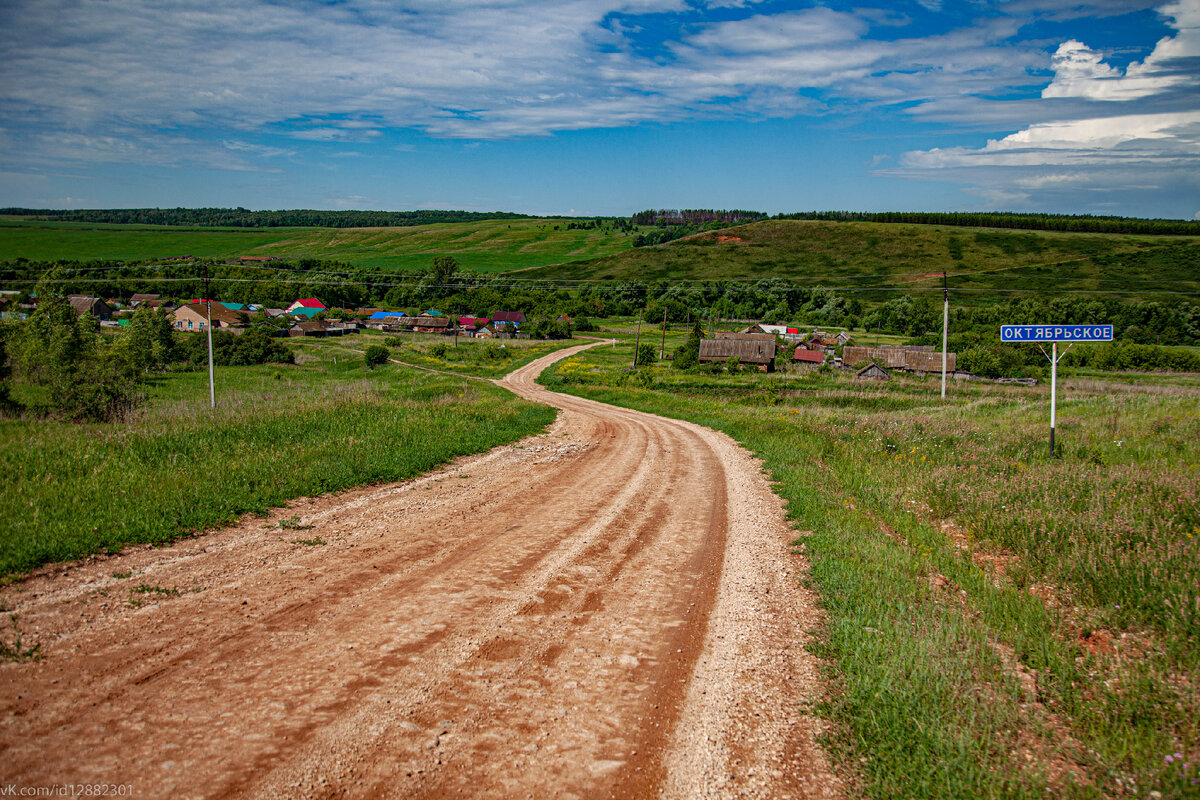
[750, 349]
[873, 371]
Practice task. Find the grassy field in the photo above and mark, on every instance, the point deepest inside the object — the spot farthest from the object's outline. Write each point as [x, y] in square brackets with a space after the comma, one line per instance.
[489, 246]
[279, 432]
[867, 254]
[1000, 623]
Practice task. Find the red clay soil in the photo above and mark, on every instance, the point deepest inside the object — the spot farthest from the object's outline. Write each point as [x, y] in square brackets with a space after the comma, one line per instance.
[609, 609]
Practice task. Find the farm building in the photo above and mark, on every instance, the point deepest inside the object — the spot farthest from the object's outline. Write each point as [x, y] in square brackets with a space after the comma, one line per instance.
[808, 359]
[429, 324]
[86, 304]
[873, 372]
[759, 351]
[905, 358]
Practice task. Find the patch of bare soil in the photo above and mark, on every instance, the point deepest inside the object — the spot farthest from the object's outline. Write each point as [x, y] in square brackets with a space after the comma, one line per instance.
[609, 609]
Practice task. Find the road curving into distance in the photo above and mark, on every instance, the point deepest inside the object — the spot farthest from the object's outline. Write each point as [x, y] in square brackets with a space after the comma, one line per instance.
[608, 609]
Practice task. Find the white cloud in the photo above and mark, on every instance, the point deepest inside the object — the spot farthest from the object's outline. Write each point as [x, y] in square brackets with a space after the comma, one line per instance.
[1080, 71]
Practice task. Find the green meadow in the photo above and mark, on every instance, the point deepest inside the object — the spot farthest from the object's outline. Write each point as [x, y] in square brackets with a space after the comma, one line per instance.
[864, 255]
[1000, 623]
[488, 246]
[279, 431]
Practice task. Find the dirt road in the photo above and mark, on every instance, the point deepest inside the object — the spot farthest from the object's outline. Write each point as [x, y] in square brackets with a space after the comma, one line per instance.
[609, 609]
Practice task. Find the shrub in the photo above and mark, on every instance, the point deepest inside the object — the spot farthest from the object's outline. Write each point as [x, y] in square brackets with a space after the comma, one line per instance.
[645, 355]
[375, 355]
[439, 350]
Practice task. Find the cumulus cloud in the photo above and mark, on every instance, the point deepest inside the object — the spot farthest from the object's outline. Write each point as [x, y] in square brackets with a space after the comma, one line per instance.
[1099, 128]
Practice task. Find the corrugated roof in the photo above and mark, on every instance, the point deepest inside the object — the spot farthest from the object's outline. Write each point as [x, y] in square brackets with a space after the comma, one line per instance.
[814, 356]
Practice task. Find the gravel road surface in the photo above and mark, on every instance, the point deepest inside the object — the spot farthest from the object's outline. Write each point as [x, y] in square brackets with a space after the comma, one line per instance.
[609, 609]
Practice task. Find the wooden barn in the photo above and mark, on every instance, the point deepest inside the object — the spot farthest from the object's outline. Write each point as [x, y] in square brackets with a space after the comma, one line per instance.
[873, 372]
[751, 350]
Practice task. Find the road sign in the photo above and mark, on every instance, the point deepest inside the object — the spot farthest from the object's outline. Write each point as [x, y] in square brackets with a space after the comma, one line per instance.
[1056, 333]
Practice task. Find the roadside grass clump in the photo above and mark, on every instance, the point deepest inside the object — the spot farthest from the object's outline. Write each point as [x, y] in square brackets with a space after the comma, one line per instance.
[1000, 622]
[13, 645]
[177, 467]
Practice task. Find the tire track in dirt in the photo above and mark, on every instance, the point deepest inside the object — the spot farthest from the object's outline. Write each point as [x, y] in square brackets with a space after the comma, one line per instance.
[608, 609]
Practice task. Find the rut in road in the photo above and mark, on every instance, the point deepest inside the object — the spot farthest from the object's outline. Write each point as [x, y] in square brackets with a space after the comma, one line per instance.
[609, 609]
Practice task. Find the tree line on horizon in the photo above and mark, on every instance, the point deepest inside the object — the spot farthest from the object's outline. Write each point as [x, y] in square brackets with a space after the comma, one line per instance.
[669, 224]
[245, 218]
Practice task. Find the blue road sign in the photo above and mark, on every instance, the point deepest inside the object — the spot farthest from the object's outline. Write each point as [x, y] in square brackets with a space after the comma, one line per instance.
[1056, 333]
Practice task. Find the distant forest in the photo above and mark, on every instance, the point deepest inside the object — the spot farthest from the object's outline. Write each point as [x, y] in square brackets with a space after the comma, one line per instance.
[245, 218]
[671, 223]
[1073, 223]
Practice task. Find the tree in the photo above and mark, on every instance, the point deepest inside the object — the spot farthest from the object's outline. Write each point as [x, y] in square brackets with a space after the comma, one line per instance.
[375, 355]
[443, 269]
[85, 378]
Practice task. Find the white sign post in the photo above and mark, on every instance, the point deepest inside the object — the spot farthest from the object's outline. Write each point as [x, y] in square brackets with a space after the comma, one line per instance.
[1054, 334]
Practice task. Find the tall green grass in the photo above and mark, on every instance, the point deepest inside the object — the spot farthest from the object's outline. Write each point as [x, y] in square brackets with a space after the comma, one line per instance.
[1000, 623]
[279, 432]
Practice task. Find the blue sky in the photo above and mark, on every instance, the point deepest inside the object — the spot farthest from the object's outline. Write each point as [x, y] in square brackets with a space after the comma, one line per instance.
[603, 106]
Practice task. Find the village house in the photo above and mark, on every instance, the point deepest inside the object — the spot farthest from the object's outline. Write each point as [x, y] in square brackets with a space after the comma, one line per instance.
[306, 303]
[311, 327]
[505, 318]
[194, 317]
[470, 325]
[152, 300]
[756, 350]
[87, 304]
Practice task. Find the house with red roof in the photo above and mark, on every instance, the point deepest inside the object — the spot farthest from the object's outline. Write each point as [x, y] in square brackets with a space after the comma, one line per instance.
[501, 318]
[308, 302]
[808, 359]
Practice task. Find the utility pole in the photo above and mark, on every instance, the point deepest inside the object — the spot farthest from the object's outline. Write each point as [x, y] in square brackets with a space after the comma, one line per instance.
[662, 350]
[638, 342]
[945, 328]
[212, 386]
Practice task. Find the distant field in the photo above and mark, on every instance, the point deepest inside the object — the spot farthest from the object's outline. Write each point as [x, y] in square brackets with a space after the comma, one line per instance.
[490, 246]
[869, 254]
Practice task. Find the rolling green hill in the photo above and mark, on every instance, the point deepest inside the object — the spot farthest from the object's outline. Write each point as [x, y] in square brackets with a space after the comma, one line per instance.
[484, 246]
[862, 255]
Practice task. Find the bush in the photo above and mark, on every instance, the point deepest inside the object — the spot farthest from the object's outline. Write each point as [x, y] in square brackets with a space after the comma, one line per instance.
[980, 361]
[439, 350]
[375, 355]
[645, 355]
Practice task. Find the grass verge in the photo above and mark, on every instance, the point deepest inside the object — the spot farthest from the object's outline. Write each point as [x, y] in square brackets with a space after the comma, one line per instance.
[1000, 623]
[278, 432]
